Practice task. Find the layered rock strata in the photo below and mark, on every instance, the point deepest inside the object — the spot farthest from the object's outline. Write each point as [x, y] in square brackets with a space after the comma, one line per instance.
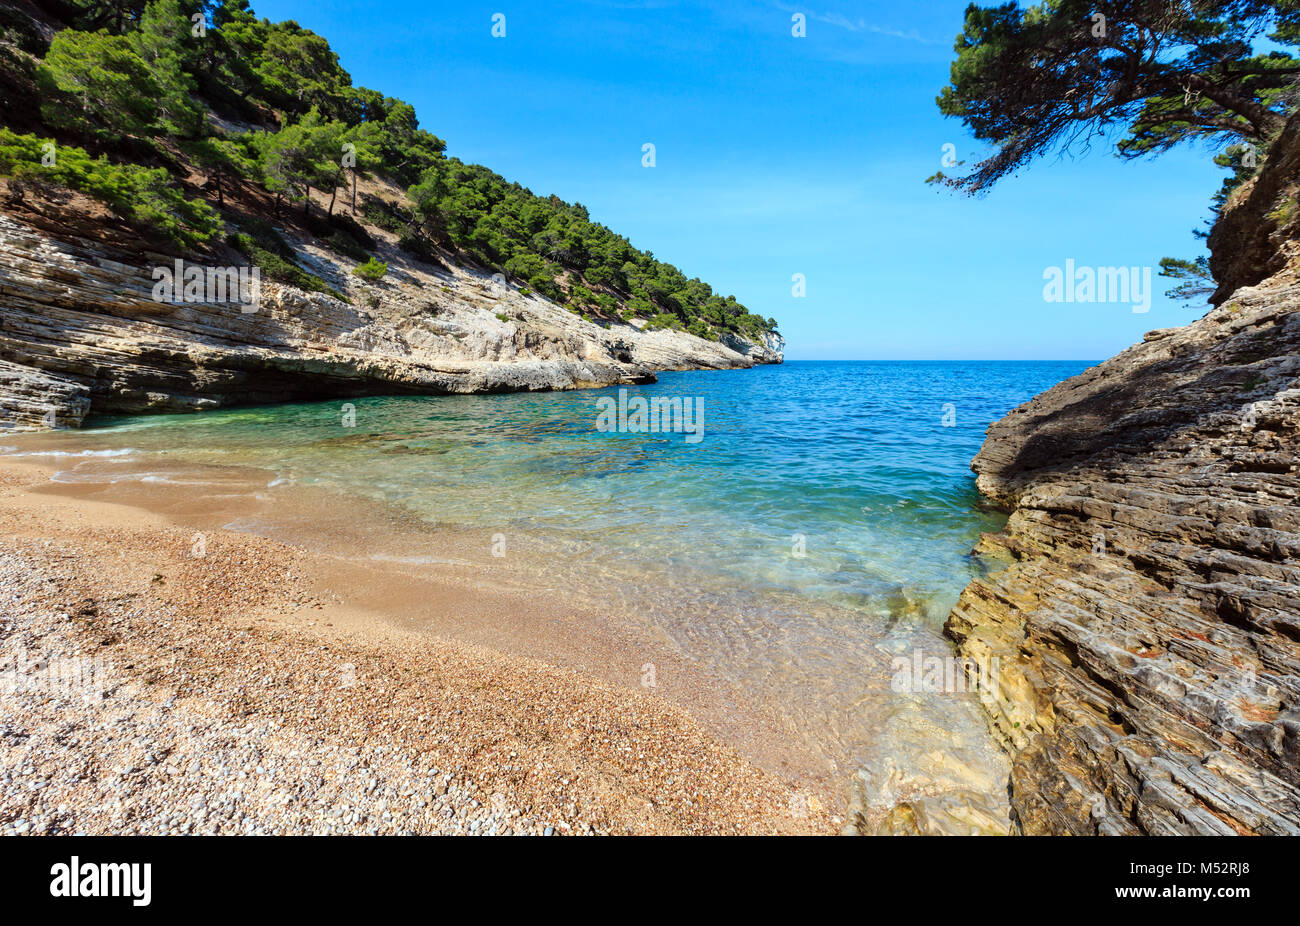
[1147, 629]
[81, 331]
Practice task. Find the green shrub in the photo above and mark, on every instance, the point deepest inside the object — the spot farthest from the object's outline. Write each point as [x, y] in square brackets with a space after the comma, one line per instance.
[372, 270]
[344, 235]
[269, 253]
[147, 197]
[546, 286]
[142, 90]
[700, 329]
[419, 247]
[349, 226]
[382, 214]
[641, 307]
[664, 320]
[342, 243]
[498, 223]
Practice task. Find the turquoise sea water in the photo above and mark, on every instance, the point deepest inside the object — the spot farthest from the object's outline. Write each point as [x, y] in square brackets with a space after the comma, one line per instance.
[854, 458]
[824, 519]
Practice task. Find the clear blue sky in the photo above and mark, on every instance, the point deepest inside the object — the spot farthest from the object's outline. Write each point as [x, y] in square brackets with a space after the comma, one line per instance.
[780, 155]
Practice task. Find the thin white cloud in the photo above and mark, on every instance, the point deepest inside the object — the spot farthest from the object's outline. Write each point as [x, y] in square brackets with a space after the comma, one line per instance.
[840, 21]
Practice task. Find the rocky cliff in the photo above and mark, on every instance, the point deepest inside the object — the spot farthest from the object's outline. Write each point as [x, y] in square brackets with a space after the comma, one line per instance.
[81, 331]
[1147, 620]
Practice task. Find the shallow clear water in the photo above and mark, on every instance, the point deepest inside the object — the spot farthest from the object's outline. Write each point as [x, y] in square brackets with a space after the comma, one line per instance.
[852, 457]
[823, 522]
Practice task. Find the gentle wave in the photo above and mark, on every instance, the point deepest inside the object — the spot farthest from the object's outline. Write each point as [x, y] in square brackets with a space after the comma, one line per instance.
[117, 452]
[823, 525]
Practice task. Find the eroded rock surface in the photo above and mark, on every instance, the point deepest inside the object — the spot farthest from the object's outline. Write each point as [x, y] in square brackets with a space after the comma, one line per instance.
[81, 331]
[1148, 626]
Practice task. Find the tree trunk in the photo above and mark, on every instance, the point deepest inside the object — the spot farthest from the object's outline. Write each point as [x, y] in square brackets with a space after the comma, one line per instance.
[333, 193]
[1264, 120]
[354, 191]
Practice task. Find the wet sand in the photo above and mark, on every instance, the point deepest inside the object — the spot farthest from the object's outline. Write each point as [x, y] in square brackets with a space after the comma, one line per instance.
[289, 685]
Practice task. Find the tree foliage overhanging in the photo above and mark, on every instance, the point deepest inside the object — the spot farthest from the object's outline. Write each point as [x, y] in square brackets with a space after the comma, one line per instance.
[1031, 80]
[139, 94]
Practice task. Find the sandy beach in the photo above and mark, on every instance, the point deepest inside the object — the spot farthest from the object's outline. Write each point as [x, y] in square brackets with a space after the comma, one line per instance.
[161, 675]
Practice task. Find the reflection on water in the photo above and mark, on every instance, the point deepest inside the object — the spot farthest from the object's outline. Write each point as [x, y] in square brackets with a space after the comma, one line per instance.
[820, 529]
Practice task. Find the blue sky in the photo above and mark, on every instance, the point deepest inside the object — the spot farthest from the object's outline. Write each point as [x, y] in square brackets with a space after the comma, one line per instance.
[779, 155]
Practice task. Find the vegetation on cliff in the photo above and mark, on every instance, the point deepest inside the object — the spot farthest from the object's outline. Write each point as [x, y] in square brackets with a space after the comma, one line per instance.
[1175, 461]
[165, 110]
[1145, 75]
[1028, 80]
